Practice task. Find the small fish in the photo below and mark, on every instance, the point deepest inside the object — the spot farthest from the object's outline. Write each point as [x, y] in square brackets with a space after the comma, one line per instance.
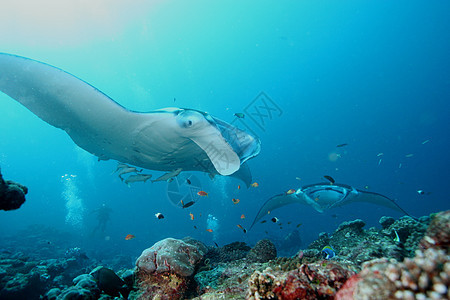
[235, 201]
[191, 215]
[168, 176]
[239, 115]
[275, 219]
[121, 166]
[298, 225]
[195, 227]
[243, 229]
[298, 178]
[379, 162]
[190, 203]
[188, 181]
[242, 216]
[400, 165]
[341, 145]
[290, 192]
[316, 199]
[239, 187]
[209, 230]
[127, 170]
[263, 221]
[110, 283]
[424, 142]
[137, 178]
[367, 187]
[380, 154]
[421, 192]
[254, 184]
[129, 237]
[329, 178]
[396, 238]
[202, 193]
[216, 244]
[328, 252]
[409, 155]
[159, 216]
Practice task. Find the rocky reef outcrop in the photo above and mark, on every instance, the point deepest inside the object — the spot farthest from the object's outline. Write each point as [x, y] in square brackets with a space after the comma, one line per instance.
[164, 271]
[12, 194]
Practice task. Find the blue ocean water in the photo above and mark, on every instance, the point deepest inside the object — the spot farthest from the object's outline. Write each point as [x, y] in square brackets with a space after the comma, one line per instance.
[373, 75]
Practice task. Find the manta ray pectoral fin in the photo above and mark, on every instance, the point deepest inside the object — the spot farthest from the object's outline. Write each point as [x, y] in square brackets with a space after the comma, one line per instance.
[274, 203]
[374, 198]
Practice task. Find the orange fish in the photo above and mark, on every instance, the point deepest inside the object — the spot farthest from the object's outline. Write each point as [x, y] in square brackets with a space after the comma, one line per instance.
[202, 193]
[239, 187]
[242, 216]
[290, 192]
[235, 201]
[192, 216]
[129, 237]
[254, 184]
[209, 230]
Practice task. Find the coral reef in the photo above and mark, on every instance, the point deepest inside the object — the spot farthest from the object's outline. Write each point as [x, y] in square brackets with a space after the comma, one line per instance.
[396, 261]
[319, 280]
[438, 232]
[426, 276]
[385, 222]
[353, 243]
[263, 251]
[227, 253]
[164, 270]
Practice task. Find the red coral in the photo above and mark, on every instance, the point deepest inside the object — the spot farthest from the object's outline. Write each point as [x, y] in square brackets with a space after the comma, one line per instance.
[438, 232]
[347, 290]
[313, 281]
[294, 287]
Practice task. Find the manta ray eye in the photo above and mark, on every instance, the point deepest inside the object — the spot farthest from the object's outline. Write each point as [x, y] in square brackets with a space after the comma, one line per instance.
[187, 123]
[188, 119]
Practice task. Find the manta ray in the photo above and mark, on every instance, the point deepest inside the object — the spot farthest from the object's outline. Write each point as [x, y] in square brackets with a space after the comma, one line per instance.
[324, 196]
[166, 139]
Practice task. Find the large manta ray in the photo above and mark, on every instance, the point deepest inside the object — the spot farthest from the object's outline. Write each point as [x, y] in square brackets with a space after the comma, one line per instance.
[324, 196]
[167, 139]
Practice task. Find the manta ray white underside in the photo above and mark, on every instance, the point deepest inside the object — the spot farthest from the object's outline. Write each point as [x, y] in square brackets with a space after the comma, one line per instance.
[165, 139]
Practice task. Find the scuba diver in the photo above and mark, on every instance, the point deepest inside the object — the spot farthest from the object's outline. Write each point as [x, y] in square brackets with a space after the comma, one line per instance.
[102, 213]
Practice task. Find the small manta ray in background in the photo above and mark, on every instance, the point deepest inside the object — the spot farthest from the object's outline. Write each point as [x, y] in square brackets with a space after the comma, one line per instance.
[324, 196]
[170, 139]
